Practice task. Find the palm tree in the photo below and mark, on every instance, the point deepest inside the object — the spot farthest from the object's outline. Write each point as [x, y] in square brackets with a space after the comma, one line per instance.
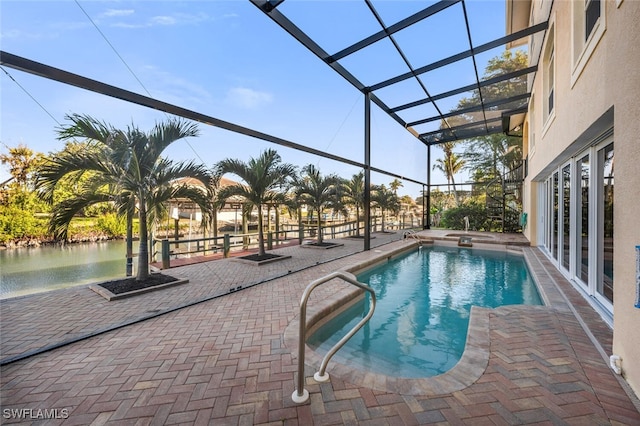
[394, 185]
[450, 165]
[385, 200]
[264, 179]
[123, 167]
[353, 194]
[317, 191]
[22, 162]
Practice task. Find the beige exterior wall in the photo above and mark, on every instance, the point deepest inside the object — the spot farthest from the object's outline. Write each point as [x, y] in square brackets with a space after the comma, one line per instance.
[606, 92]
[624, 33]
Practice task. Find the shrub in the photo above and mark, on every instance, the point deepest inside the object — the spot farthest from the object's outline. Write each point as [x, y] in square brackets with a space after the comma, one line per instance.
[512, 221]
[454, 218]
[16, 223]
[111, 225]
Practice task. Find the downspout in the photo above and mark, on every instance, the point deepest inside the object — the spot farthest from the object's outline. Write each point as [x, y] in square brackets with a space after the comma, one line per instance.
[614, 360]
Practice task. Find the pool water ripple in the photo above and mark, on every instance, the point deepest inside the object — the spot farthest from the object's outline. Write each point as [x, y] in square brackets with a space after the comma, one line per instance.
[424, 299]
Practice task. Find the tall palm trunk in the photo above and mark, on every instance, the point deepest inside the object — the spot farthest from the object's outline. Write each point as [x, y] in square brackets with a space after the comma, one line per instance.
[245, 229]
[455, 192]
[129, 243]
[214, 219]
[143, 253]
[261, 251]
[268, 217]
[319, 226]
[357, 221]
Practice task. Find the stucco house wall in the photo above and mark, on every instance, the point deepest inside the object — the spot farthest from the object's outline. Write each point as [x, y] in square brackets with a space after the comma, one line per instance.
[605, 94]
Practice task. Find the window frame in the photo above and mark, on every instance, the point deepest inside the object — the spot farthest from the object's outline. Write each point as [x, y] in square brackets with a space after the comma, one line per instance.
[583, 46]
[549, 73]
[584, 221]
[550, 70]
[600, 223]
[587, 5]
[532, 124]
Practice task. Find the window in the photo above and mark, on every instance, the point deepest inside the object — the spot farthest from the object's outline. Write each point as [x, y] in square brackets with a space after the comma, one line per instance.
[588, 26]
[531, 129]
[591, 16]
[549, 76]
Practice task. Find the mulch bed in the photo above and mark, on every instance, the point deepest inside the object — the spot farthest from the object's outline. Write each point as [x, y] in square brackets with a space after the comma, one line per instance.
[126, 285]
[322, 244]
[261, 258]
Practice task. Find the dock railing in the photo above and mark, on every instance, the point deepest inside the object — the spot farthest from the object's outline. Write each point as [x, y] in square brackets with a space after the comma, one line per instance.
[210, 245]
[175, 248]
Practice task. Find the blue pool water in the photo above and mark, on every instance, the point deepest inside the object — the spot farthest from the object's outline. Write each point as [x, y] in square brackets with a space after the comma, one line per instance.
[424, 299]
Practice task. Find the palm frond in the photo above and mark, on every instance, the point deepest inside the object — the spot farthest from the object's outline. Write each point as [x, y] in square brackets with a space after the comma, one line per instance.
[236, 167]
[64, 212]
[72, 164]
[235, 190]
[86, 127]
[165, 133]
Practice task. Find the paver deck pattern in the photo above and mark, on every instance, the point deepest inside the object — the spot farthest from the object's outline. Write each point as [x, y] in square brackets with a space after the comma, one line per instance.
[224, 360]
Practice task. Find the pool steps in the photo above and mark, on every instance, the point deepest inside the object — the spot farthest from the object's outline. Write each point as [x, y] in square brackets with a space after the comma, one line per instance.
[465, 241]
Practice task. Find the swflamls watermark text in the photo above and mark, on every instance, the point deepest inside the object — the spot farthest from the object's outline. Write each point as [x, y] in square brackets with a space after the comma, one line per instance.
[35, 413]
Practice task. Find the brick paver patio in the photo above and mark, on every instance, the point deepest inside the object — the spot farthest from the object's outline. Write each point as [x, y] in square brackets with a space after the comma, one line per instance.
[223, 359]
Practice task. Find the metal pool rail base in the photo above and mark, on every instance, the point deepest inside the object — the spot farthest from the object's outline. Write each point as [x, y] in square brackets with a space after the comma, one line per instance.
[301, 395]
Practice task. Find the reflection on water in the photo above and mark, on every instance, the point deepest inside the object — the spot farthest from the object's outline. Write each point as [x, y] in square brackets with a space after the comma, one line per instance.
[33, 270]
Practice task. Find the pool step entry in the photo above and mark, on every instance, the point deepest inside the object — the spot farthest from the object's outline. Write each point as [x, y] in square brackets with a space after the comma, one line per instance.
[301, 395]
[465, 242]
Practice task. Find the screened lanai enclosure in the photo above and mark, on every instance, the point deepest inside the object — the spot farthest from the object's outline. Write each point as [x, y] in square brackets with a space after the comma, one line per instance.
[434, 82]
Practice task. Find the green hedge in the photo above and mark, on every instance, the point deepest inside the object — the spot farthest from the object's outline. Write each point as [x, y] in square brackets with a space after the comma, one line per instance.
[17, 224]
[454, 218]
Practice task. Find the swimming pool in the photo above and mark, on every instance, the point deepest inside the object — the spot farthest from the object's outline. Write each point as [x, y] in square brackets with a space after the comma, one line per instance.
[423, 305]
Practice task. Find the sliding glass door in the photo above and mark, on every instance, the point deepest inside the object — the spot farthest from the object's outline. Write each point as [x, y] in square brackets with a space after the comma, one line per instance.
[582, 219]
[605, 213]
[566, 216]
[554, 213]
[578, 221]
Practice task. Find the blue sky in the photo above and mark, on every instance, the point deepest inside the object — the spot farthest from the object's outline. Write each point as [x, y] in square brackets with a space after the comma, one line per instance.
[228, 60]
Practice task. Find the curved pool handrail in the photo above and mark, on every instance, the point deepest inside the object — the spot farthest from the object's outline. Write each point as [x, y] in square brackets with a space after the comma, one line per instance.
[301, 394]
[411, 234]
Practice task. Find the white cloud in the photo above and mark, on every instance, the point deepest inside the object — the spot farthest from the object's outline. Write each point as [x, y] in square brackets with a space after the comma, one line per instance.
[243, 97]
[163, 20]
[110, 13]
[17, 34]
[172, 88]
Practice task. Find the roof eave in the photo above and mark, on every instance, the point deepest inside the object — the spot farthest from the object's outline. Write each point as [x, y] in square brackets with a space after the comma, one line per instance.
[518, 13]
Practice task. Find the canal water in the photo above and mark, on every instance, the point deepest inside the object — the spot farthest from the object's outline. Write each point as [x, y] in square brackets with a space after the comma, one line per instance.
[33, 270]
